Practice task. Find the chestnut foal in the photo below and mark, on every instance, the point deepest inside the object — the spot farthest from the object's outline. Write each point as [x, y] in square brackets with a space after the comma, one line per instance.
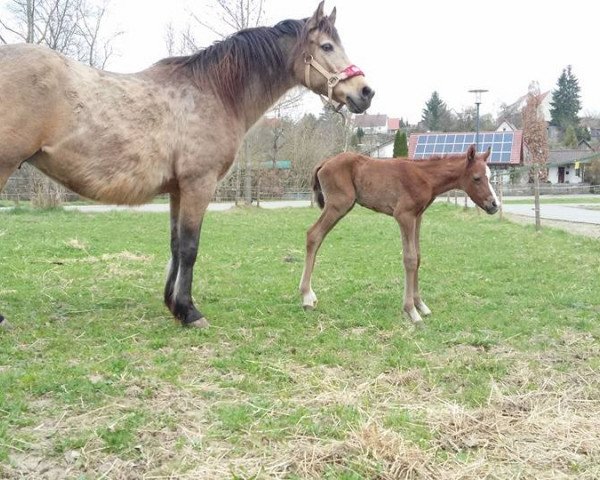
[398, 187]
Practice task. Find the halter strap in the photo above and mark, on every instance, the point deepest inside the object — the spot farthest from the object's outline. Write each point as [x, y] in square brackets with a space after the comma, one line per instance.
[332, 78]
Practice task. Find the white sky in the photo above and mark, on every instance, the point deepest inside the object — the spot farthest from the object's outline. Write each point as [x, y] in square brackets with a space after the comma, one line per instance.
[409, 49]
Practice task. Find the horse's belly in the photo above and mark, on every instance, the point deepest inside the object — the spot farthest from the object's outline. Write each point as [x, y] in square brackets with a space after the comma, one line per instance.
[126, 179]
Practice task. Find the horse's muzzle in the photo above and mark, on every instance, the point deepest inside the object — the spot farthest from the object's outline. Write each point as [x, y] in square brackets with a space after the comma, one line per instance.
[360, 102]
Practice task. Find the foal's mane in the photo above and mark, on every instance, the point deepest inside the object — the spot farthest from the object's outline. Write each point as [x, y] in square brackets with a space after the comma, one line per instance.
[228, 65]
[451, 156]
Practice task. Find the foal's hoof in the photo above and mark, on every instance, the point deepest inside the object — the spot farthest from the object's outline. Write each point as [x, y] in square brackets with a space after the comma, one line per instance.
[413, 316]
[200, 323]
[308, 308]
[419, 325]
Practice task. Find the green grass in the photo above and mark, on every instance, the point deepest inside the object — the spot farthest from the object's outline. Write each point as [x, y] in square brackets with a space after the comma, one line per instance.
[94, 365]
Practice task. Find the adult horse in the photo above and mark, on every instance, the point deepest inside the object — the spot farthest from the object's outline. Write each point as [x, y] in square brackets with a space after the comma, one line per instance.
[397, 187]
[173, 128]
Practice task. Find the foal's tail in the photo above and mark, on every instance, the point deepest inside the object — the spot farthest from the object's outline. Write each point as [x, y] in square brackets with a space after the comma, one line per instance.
[316, 186]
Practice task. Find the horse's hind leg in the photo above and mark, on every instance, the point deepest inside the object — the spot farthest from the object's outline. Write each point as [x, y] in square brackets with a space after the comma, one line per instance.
[331, 215]
[194, 198]
[5, 173]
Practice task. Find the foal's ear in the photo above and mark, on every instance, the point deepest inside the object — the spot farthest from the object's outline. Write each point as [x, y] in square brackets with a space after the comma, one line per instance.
[332, 16]
[471, 154]
[486, 155]
[317, 16]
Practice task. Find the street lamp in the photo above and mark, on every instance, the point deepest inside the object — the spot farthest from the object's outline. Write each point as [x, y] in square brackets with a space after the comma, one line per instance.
[477, 92]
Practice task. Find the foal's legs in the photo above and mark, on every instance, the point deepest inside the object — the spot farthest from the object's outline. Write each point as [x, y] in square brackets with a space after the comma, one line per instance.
[421, 307]
[408, 227]
[189, 210]
[331, 215]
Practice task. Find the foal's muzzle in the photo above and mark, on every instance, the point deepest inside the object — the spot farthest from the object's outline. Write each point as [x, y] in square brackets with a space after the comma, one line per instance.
[491, 207]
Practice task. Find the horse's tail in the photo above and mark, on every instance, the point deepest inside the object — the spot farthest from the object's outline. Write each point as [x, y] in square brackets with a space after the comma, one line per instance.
[316, 186]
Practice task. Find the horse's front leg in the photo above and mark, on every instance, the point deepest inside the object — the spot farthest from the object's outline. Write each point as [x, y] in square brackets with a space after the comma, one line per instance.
[173, 266]
[194, 197]
[407, 224]
[419, 303]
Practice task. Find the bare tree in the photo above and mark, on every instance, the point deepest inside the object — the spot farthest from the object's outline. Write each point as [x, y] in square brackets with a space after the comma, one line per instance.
[535, 131]
[223, 17]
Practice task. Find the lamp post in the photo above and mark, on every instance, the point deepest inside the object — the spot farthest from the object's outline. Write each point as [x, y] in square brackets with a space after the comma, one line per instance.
[477, 92]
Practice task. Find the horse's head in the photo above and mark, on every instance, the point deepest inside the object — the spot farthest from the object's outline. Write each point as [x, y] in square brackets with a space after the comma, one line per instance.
[323, 67]
[476, 181]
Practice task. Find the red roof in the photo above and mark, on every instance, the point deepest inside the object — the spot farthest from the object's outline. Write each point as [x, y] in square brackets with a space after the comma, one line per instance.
[393, 124]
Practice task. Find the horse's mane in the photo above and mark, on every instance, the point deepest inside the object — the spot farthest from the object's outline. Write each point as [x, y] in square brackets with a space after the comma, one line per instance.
[228, 65]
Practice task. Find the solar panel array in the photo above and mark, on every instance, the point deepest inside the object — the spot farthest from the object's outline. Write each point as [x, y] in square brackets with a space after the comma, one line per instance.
[501, 143]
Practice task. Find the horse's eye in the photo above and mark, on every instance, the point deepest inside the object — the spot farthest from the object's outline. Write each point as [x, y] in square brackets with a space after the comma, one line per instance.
[477, 178]
[327, 47]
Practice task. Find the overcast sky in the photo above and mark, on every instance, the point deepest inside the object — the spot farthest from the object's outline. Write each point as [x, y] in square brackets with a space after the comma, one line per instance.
[408, 49]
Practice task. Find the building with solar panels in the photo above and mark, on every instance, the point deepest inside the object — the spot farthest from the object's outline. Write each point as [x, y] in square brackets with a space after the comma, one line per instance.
[506, 146]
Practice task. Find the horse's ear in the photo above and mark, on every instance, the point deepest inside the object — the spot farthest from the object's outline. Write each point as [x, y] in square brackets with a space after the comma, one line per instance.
[486, 155]
[471, 154]
[317, 16]
[333, 15]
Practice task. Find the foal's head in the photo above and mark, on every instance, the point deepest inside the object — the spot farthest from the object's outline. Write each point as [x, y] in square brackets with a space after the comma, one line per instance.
[476, 181]
[323, 67]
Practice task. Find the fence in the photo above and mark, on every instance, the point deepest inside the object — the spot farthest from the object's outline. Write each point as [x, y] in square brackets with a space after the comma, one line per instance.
[280, 186]
[238, 187]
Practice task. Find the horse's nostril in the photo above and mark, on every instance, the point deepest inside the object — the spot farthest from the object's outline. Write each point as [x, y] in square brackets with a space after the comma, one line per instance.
[494, 203]
[367, 92]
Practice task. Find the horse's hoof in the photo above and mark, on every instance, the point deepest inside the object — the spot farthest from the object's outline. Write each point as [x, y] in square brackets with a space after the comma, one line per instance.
[200, 323]
[308, 308]
[4, 325]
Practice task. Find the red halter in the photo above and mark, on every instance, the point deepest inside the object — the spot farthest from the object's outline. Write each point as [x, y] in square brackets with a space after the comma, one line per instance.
[332, 78]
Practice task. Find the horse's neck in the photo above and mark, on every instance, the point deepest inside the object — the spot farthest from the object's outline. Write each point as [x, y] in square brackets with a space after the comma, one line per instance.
[256, 98]
[444, 174]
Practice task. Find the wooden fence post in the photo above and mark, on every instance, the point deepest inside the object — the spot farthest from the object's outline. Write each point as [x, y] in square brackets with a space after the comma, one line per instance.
[536, 196]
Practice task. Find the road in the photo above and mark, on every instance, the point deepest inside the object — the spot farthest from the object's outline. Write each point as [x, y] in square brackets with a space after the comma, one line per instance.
[579, 212]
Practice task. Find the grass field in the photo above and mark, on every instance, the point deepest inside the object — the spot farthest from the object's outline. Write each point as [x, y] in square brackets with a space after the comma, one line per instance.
[96, 381]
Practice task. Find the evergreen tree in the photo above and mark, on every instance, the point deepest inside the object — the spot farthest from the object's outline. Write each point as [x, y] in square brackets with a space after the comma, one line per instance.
[400, 144]
[565, 100]
[436, 116]
[570, 138]
[360, 134]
